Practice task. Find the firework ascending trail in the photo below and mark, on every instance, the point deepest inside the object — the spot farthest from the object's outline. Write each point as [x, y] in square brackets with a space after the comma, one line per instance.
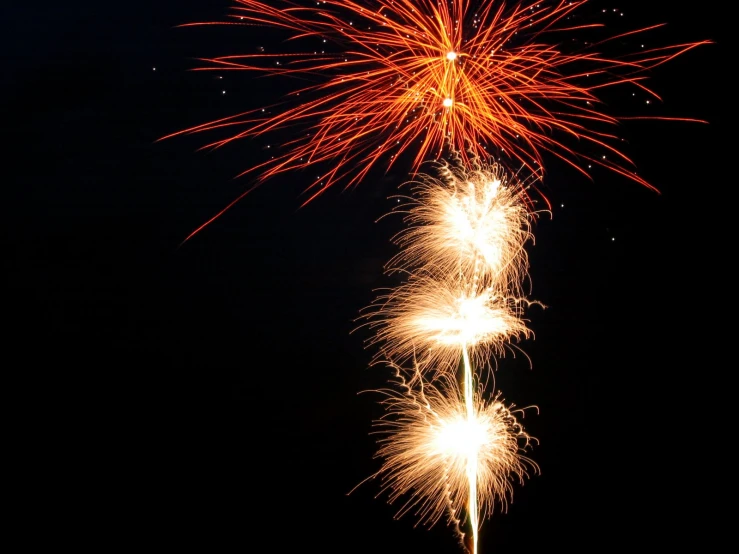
[446, 449]
[396, 76]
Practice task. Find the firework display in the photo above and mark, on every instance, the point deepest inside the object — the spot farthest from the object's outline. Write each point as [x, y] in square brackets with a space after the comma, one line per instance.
[482, 92]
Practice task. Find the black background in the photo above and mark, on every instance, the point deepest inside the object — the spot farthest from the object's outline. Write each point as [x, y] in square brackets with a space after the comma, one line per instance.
[205, 396]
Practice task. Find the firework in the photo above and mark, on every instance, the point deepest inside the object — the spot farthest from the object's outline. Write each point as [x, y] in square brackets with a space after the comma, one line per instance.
[465, 264]
[446, 449]
[432, 320]
[428, 78]
[433, 447]
[448, 452]
[468, 220]
[397, 76]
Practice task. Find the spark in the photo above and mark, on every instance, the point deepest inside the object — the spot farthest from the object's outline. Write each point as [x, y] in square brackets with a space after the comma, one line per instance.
[416, 75]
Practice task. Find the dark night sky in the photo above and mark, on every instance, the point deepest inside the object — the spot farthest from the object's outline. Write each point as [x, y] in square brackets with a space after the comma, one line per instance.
[205, 397]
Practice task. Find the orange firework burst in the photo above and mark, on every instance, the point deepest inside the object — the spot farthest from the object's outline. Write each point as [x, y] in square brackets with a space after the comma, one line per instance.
[421, 75]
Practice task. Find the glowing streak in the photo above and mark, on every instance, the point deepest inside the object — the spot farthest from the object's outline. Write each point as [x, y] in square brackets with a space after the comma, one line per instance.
[474, 444]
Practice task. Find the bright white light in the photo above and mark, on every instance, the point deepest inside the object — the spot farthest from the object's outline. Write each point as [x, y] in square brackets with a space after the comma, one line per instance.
[462, 437]
[447, 103]
[451, 56]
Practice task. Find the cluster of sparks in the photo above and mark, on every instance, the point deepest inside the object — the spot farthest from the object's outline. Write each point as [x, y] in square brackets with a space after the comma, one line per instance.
[427, 78]
[463, 248]
[445, 458]
[448, 450]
